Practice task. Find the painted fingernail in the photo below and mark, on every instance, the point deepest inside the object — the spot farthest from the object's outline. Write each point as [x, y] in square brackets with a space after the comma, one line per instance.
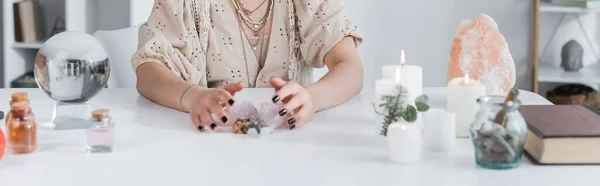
[224, 119]
[275, 99]
[282, 112]
[213, 126]
[292, 121]
[292, 126]
[231, 102]
[200, 128]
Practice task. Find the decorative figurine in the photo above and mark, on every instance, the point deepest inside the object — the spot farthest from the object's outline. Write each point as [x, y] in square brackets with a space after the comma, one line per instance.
[71, 68]
[572, 56]
[58, 27]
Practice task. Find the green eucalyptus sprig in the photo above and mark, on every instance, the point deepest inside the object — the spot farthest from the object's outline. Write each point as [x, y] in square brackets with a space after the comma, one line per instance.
[395, 108]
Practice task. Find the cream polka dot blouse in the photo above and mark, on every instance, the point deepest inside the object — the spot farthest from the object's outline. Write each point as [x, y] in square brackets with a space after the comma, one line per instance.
[201, 41]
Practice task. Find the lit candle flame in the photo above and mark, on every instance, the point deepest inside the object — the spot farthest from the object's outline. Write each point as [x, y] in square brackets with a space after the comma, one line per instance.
[403, 127]
[398, 76]
[402, 58]
[467, 79]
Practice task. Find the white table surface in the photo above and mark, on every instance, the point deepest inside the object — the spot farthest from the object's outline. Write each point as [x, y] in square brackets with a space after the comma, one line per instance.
[158, 146]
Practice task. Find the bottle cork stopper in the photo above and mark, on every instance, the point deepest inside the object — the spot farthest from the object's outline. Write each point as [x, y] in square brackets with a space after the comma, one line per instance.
[19, 105]
[20, 96]
[512, 96]
[100, 114]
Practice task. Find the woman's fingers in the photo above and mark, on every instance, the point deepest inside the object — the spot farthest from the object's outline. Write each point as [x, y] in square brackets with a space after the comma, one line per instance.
[277, 83]
[216, 109]
[292, 104]
[224, 97]
[234, 87]
[287, 90]
[294, 121]
[197, 122]
[300, 118]
[207, 121]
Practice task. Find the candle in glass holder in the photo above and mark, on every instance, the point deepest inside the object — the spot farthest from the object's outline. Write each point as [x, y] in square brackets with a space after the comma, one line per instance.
[411, 74]
[462, 100]
[404, 142]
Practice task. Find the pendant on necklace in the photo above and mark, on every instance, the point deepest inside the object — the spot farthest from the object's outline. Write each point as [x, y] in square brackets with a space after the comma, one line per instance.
[256, 25]
[254, 47]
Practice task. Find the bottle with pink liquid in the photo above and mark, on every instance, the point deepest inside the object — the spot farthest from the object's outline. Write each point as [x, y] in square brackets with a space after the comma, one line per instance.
[101, 134]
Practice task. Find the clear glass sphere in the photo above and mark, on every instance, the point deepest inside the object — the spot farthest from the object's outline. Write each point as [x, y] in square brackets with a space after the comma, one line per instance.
[72, 67]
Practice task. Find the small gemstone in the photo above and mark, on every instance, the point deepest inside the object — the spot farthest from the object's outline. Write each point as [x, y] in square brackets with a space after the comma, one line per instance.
[254, 47]
[256, 25]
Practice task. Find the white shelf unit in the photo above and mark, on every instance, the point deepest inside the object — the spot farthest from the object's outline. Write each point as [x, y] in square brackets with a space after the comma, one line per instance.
[549, 7]
[589, 75]
[547, 73]
[79, 15]
[22, 45]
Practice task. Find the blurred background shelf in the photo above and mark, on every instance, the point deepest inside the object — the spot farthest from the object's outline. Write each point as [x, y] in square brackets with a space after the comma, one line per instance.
[78, 15]
[36, 45]
[549, 7]
[547, 73]
[588, 75]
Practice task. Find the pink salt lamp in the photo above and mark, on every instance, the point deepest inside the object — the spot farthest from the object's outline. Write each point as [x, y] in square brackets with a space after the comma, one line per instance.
[480, 50]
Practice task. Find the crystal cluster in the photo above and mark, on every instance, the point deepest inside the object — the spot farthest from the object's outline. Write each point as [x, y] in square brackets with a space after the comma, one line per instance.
[245, 118]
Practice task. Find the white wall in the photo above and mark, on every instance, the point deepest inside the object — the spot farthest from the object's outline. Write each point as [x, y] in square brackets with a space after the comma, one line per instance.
[117, 14]
[426, 33]
[140, 10]
[112, 14]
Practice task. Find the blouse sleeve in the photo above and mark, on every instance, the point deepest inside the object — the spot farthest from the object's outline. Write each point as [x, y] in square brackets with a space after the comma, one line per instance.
[322, 24]
[169, 37]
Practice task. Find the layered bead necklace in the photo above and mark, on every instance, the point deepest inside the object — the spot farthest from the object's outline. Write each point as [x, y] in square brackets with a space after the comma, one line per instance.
[243, 15]
[255, 26]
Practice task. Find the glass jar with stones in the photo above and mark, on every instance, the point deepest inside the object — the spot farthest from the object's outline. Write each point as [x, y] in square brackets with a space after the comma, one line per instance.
[498, 133]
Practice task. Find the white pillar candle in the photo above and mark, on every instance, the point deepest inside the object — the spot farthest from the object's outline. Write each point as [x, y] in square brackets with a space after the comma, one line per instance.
[404, 142]
[411, 75]
[384, 87]
[462, 100]
[439, 129]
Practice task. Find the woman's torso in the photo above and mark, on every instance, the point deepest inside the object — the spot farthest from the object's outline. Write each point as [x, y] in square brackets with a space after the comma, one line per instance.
[231, 56]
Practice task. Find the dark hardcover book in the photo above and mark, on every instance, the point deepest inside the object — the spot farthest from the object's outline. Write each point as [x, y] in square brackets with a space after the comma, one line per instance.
[562, 134]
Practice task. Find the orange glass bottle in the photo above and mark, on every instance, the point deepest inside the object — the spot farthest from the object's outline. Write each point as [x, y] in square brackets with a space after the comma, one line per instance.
[16, 97]
[21, 129]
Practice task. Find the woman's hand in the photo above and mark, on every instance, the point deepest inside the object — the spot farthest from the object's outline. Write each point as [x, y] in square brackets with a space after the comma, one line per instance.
[200, 103]
[297, 103]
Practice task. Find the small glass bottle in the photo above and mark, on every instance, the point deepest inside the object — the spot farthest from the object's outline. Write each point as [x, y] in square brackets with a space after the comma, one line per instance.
[16, 97]
[100, 135]
[21, 129]
[498, 133]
